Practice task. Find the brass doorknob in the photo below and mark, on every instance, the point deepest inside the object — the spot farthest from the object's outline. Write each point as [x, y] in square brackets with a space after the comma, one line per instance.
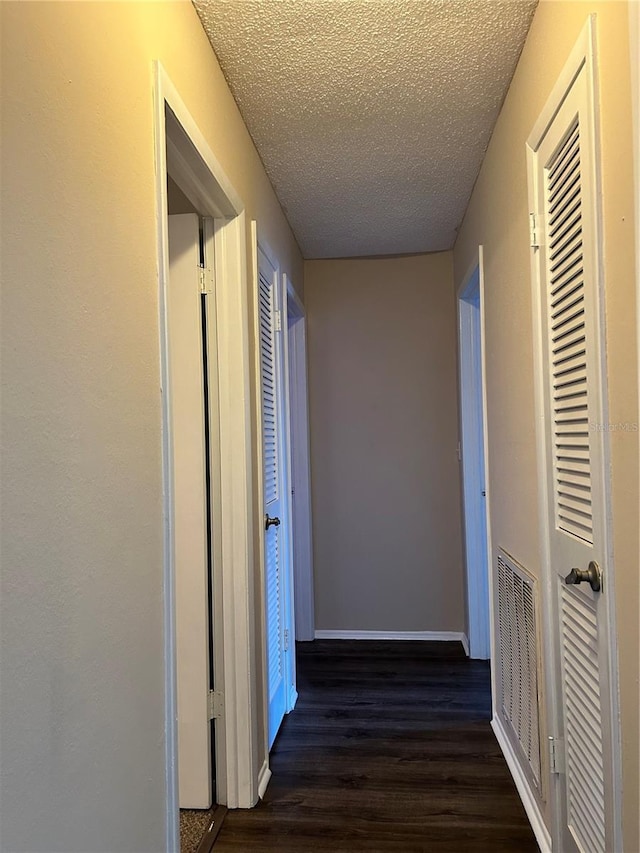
[592, 576]
[271, 522]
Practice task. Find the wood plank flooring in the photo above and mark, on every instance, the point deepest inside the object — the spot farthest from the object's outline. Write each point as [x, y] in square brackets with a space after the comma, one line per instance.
[389, 750]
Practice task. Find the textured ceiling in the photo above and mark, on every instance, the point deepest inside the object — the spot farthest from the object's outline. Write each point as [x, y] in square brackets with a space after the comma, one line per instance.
[371, 116]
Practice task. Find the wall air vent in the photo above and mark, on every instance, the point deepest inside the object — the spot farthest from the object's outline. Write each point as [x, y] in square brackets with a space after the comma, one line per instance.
[518, 660]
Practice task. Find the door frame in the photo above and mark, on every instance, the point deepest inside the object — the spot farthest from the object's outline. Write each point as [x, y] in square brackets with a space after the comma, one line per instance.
[300, 466]
[582, 55]
[474, 460]
[180, 146]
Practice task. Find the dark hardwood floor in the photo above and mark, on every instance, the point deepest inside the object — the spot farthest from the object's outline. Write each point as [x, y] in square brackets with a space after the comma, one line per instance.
[388, 750]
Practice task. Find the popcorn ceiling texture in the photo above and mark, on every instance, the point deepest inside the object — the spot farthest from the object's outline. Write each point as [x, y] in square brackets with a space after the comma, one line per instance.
[371, 116]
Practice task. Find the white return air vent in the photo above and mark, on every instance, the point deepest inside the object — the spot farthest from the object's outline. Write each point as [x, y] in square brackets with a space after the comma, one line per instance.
[518, 660]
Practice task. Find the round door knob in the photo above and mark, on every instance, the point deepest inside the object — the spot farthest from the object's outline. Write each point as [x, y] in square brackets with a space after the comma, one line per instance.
[271, 522]
[592, 576]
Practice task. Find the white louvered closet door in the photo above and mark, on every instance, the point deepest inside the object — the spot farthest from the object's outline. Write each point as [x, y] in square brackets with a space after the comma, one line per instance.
[574, 387]
[274, 504]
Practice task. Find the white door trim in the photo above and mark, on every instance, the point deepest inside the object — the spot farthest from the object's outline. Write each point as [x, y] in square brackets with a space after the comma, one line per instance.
[180, 142]
[474, 454]
[300, 466]
[582, 56]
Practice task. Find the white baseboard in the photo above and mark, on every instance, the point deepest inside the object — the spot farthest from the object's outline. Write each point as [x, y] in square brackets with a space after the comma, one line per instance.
[529, 801]
[445, 636]
[465, 644]
[263, 779]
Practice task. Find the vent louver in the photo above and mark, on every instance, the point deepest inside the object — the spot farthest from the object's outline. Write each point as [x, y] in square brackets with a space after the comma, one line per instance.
[518, 659]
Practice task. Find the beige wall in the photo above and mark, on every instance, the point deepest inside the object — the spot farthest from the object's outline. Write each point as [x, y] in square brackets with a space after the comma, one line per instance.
[82, 690]
[497, 218]
[383, 412]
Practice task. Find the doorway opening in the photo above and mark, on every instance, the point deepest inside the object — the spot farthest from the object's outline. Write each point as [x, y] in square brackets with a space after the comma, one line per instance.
[204, 350]
[473, 459]
[191, 262]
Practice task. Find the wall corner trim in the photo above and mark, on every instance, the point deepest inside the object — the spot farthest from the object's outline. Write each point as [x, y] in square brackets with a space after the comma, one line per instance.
[529, 801]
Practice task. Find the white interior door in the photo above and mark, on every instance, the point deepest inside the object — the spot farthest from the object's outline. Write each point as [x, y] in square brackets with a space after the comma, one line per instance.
[275, 499]
[473, 468]
[574, 382]
[190, 512]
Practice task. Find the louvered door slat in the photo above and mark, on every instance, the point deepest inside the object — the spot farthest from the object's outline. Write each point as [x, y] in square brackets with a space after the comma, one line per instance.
[571, 421]
[567, 351]
[274, 607]
[570, 370]
[565, 205]
[568, 270]
[566, 229]
[568, 335]
[579, 504]
[582, 693]
[577, 454]
[563, 161]
[568, 322]
[564, 255]
[579, 633]
[568, 300]
[589, 755]
[270, 436]
[580, 509]
[574, 489]
[568, 307]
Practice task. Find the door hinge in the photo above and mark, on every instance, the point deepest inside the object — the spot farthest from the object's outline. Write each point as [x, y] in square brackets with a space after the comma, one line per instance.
[216, 704]
[286, 639]
[535, 223]
[556, 754]
[278, 320]
[206, 280]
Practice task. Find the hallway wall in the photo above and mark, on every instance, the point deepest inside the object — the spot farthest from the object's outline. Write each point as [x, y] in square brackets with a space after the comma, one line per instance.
[82, 711]
[383, 414]
[497, 218]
